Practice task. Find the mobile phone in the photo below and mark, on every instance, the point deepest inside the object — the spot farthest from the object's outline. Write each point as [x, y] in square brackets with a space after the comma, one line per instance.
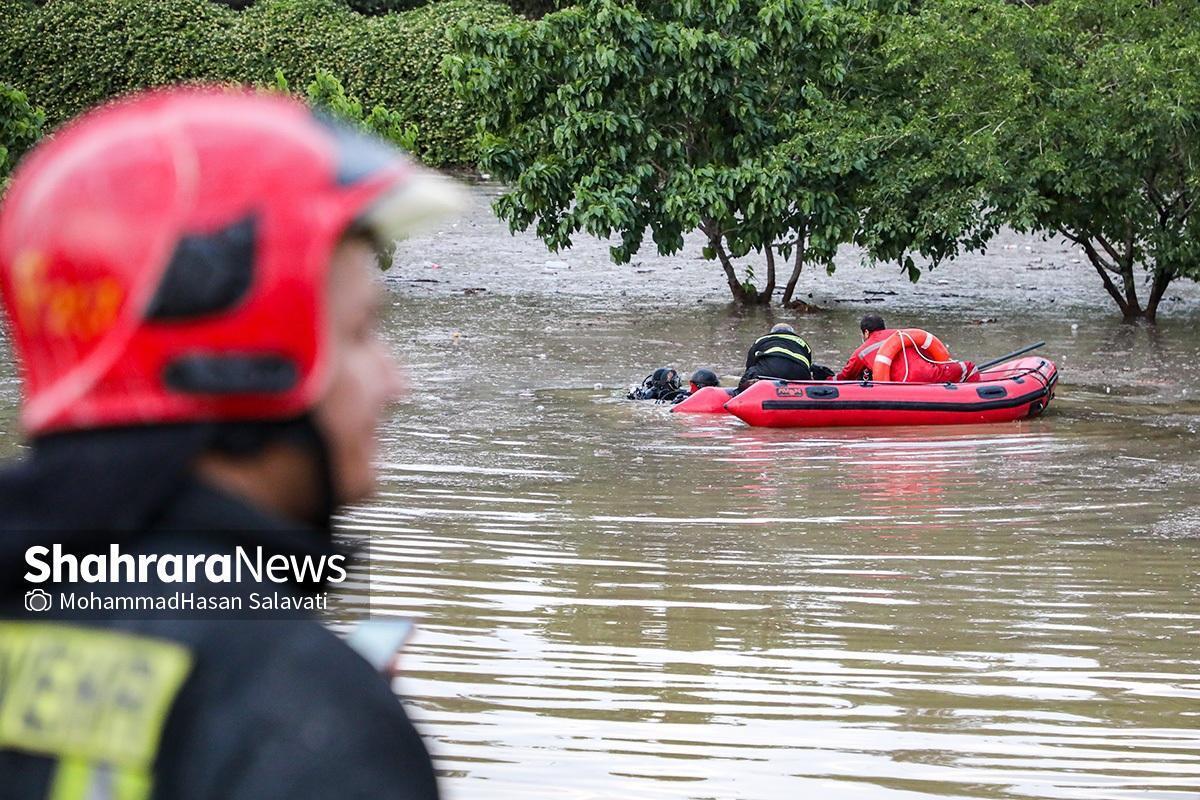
[380, 640]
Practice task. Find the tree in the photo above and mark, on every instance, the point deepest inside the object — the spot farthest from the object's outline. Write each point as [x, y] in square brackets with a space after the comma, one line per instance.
[327, 93]
[1075, 118]
[722, 116]
[20, 127]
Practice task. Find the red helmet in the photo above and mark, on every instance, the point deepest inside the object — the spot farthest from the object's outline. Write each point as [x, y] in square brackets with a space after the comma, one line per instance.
[164, 259]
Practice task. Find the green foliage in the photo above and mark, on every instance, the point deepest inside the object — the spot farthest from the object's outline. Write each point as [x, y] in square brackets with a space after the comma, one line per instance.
[73, 54]
[790, 127]
[673, 116]
[20, 127]
[1075, 118]
[326, 92]
[376, 7]
[536, 9]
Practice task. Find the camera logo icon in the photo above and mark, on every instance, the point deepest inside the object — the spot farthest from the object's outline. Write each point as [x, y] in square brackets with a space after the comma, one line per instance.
[38, 600]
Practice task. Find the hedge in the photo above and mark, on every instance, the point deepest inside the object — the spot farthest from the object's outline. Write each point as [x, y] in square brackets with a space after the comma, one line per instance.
[20, 127]
[73, 54]
[327, 93]
[376, 7]
[533, 9]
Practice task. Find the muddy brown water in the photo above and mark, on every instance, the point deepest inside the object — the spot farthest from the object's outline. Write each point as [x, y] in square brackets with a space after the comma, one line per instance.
[615, 601]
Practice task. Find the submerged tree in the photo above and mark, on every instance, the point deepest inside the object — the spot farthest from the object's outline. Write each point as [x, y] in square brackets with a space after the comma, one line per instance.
[1075, 118]
[674, 116]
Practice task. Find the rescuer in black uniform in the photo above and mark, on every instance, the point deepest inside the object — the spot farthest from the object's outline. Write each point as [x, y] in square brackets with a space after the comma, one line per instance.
[188, 281]
[781, 354]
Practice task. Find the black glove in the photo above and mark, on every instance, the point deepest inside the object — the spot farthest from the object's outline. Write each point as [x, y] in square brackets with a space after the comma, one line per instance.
[820, 373]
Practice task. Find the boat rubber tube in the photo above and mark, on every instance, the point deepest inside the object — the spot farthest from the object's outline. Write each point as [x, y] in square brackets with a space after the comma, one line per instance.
[1014, 390]
[706, 400]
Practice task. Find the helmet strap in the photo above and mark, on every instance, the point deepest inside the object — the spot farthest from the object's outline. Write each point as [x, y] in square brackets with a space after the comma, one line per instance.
[308, 435]
[246, 438]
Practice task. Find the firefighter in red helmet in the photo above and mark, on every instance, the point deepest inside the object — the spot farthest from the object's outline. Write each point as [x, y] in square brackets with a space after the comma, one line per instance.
[187, 276]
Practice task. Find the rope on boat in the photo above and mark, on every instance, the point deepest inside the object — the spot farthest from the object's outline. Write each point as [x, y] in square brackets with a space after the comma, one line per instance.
[904, 337]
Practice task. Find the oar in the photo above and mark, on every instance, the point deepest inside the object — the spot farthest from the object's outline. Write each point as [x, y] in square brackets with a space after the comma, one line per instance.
[1013, 354]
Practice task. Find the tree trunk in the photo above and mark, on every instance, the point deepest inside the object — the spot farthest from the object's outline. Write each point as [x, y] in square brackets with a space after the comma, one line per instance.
[714, 241]
[1127, 270]
[769, 291]
[1132, 308]
[1127, 302]
[1162, 279]
[799, 265]
[736, 287]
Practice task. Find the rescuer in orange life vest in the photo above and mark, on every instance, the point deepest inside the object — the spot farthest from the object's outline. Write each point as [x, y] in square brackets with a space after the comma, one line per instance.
[910, 365]
[188, 277]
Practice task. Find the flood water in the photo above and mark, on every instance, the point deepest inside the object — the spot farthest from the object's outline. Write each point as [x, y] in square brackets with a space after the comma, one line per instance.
[619, 602]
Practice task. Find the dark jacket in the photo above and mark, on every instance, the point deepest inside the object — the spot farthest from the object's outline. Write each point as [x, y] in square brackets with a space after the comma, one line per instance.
[779, 355]
[251, 709]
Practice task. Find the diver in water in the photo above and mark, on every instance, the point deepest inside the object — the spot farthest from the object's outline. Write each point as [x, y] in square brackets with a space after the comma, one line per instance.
[663, 385]
[702, 378]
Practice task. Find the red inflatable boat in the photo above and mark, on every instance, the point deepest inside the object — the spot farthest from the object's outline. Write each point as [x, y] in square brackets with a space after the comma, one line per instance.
[1010, 391]
[705, 400]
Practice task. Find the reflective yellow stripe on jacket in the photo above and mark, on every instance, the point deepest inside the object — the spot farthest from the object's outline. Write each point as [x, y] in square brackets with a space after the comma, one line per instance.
[95, 700]
[778, 350]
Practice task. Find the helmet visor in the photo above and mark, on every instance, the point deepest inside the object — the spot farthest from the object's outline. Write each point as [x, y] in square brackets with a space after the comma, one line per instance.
[416, 203]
